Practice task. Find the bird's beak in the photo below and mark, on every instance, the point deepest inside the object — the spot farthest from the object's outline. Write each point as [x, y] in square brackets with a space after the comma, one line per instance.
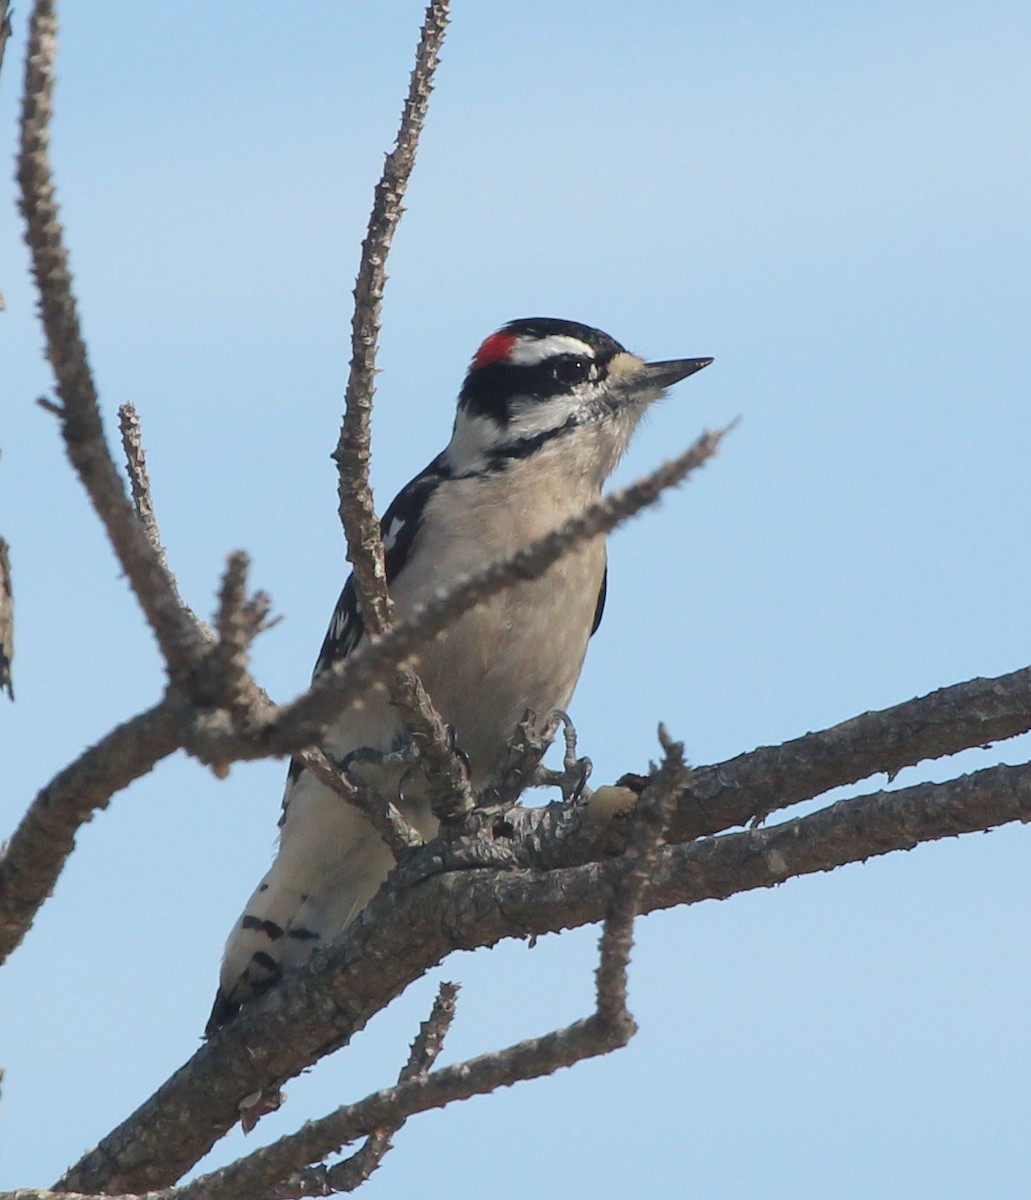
[642, 382]
[665, 374]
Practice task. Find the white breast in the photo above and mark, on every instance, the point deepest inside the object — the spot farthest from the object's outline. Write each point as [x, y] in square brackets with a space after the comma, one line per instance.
[523, 648]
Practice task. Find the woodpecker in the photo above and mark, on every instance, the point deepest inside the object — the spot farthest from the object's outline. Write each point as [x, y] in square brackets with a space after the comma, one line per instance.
[546, 411]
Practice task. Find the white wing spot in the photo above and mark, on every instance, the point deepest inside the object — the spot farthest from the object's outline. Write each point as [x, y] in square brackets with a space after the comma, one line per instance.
[390, 539]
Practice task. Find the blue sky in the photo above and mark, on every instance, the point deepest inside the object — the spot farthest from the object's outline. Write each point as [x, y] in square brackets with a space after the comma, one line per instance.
[831, 199]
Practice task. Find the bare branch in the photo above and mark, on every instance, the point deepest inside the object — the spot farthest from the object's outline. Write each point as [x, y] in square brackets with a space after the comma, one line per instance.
[32, 860]
[392, 826]
[941, 723]
[450, 794]
[529, 1059]
[448, 791]
[321, 1180]
[374, 661]
[608, 1028]
[851, 830]
[635, 871]
[5, 33]
[286, 1032]
[238, 622]
[6, 621]
[429, 1041]
[79, 413]
[52, 1194]
[48, 405]
[425, 922]
[357, 512]
[349, 1175]
[139, 480]
[945, 722]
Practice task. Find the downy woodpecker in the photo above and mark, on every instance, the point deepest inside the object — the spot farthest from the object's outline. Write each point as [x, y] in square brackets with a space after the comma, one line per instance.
[546, 412]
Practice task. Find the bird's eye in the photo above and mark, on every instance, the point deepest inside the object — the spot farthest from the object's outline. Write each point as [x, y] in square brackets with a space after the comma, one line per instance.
[571, 369]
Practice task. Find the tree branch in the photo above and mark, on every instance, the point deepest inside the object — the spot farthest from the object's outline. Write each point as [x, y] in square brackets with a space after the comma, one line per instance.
[357, 511]
[79, 412]
[399, 835]
[6, 621]
[450, 794]
[350, 1174]
[32, 860]
[944, 722]
[139, 479]
[238, 621]
[422, 922]
[313, 1012]
[5, 31]
[610, 1027]
[300, 723]
[635, 870]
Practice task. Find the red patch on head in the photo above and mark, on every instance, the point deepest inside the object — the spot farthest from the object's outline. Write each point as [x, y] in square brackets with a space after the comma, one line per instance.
[496, 347]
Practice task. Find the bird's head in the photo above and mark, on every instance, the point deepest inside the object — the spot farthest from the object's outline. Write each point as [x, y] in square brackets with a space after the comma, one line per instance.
[540, 381]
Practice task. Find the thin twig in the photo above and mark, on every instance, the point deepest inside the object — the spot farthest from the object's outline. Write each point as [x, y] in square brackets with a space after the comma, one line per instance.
[449, 792]
[357, 512]
[637, 864]
[6, 621]
[225, 680]
[79, 412]
[5, 33]
[5, 29]
[349, 1175]
[610, 1027]
[375, 660]
[231, 627]
[139, 479]
[32, 860]
[399, 835]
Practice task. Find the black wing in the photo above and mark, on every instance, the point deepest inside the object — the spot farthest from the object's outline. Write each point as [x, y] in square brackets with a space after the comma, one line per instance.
[400, 524]
[398, 528]
[599, 608]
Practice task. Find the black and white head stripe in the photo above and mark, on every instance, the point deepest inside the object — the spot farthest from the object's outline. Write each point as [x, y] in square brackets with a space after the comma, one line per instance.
[534, 358]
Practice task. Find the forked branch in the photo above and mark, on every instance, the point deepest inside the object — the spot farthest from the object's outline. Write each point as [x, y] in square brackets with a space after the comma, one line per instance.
[277, 1038]
[608, 1028]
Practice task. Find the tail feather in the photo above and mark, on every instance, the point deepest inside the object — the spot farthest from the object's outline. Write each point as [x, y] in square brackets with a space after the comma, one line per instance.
[330, 864]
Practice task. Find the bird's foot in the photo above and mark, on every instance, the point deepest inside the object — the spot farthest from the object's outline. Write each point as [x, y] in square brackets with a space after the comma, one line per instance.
[572, 779]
